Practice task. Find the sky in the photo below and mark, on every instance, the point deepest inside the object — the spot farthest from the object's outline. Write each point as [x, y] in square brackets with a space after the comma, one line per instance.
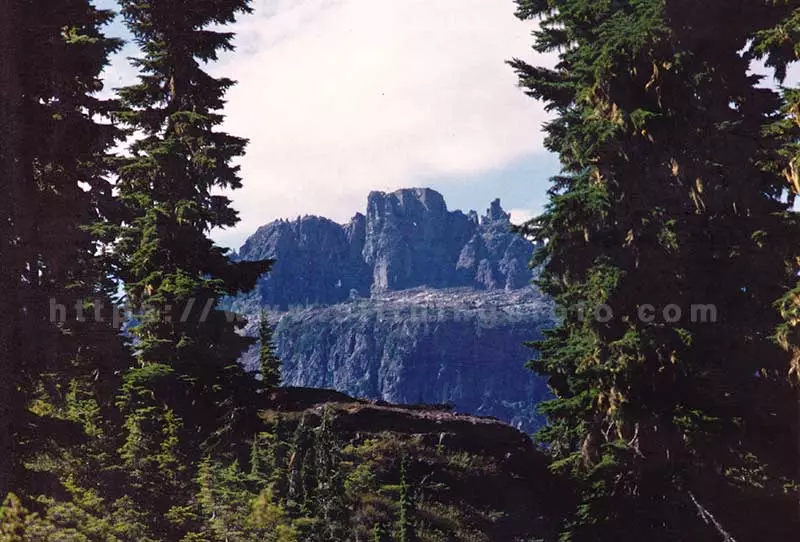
[342, 97]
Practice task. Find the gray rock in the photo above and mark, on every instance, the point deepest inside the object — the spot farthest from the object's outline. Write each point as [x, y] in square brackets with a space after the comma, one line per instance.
[457, 346]
[412, 239]
[406, 239]
[408, 303]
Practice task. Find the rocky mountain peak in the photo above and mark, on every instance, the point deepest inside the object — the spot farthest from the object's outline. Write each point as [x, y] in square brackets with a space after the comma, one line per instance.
[405, 239]
[408, 302]
[495, 213]
[408, 200]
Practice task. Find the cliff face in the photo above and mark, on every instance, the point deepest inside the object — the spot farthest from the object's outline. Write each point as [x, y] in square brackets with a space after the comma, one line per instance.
[408, 303]
[318, 261]
[412, 239]
[406, 239]
[455, 346]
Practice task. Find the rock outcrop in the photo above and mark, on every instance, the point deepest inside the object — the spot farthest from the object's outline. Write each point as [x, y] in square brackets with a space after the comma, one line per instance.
[412, 239]
[406, 239]
[317, 261]
[479, 479]
[408, 303]
[456, 346]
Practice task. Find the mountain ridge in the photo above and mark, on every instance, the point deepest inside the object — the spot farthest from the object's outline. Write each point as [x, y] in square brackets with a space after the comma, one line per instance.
[405, 239]
[408, 302]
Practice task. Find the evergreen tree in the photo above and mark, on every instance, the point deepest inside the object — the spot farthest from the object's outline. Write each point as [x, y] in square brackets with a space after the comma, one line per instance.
[53, 155]
[328, 495]
[314, 479]
[675, 428]
[10, 176]
[299, 476]
[779, 47]
[405, 529]
[269, 363]
[187, 394]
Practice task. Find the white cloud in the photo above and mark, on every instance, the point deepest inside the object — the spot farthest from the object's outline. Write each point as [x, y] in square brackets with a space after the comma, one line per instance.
[339, 97]
[520, 216]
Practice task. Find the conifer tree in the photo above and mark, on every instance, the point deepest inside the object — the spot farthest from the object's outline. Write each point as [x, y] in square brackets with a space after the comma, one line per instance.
[54, 162]
[328, 496]
[173, 272]
[187, 394]
[10, 176]
[269, 363]
[405, 529]
[672, 426]
[779, 46]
